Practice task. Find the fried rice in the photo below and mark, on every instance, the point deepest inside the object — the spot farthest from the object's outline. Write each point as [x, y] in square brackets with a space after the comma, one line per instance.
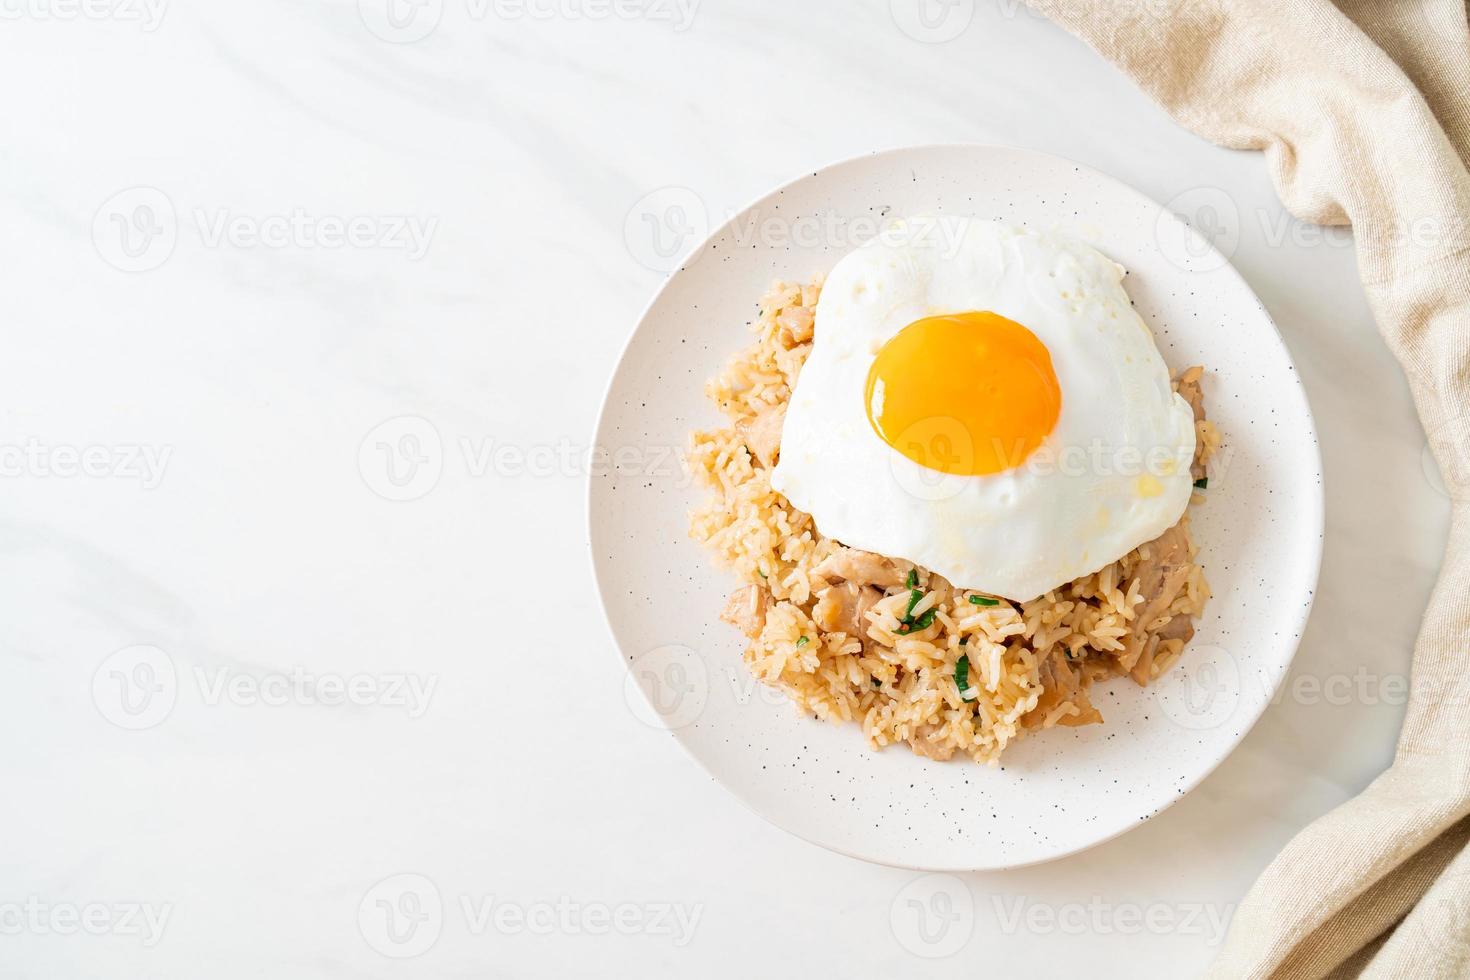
[847, 635]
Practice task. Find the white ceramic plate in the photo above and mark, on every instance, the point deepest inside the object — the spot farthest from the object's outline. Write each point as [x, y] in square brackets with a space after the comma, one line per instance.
[1059, 791]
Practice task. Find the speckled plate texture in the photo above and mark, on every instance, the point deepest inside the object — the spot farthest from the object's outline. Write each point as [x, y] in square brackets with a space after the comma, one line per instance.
[1057, 792]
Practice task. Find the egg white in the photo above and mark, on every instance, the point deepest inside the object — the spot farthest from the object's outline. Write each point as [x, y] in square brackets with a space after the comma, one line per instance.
[1113, 474]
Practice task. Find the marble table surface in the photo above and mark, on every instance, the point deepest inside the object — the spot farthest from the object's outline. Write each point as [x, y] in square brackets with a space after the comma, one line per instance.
[308, 311]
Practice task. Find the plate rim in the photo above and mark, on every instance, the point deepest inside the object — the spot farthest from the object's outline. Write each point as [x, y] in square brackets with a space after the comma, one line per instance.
[1316, 500]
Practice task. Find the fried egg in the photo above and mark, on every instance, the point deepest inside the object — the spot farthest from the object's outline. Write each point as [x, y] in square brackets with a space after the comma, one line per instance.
[984, 401]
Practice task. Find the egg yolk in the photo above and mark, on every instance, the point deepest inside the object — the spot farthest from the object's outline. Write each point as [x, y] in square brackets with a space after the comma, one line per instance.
[966, 393]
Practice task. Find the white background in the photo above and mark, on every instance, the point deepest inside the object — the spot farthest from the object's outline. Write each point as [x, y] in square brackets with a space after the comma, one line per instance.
[256, 824]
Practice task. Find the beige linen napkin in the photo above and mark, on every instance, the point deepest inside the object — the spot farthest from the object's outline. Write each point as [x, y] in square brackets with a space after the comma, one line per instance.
[1363, 110]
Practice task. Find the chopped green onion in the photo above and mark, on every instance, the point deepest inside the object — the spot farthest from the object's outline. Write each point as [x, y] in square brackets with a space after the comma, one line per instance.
[908, 624]
[962, 674]
[913, 580]
[877, 682]
[760, 573]
[803, 641]
[911, 625]
[980, 600]
[1203, 483]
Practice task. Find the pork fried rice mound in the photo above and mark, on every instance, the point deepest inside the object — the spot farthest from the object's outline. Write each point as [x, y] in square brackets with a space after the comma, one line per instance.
[852, 636]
